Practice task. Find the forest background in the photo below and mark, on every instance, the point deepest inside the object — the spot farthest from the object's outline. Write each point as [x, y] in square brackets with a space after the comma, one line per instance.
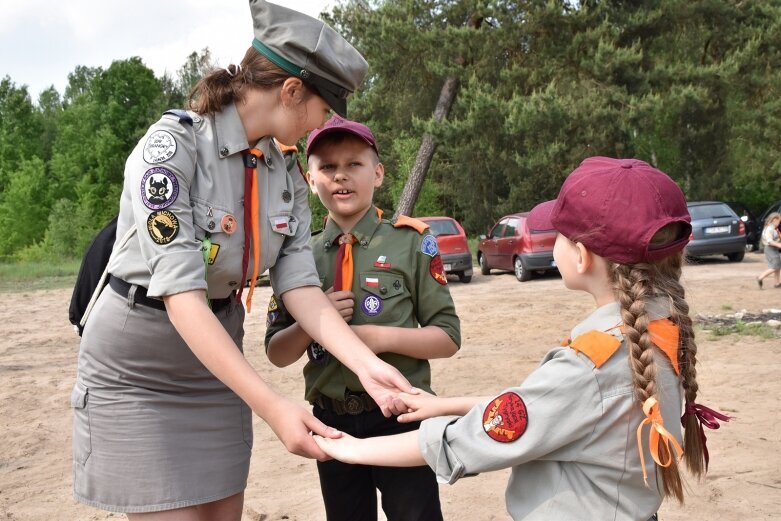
[691, 86]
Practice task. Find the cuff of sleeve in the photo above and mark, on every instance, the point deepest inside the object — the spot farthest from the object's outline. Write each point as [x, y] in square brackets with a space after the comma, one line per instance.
[294, 271]
[176, 272]
[436, 451]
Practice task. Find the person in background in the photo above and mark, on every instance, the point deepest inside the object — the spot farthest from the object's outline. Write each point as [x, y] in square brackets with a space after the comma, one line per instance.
[164, 397]
[772, 244]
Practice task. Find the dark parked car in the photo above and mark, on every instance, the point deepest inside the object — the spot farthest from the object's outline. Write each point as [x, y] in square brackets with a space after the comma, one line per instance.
[716, 230]
[510, 245]
[753, 228]
[453, 246]
[775, 207]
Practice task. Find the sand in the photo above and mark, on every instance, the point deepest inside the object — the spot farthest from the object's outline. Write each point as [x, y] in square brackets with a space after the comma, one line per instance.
[507, 327]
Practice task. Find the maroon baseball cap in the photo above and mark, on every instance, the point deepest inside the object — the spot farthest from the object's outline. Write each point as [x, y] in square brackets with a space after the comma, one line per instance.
[339, 124]
[614, 207]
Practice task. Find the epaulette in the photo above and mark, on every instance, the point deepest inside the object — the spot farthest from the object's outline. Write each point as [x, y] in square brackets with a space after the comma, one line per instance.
[598, 346]
[183, 116]
[409, 222]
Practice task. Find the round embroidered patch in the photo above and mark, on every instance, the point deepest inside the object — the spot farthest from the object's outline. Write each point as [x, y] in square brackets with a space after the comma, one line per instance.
[163, 226]
[371, 305]
[316, 353]
[159, 147]
[429, 246]
[505, 418]
[437, 270]
[159, 188]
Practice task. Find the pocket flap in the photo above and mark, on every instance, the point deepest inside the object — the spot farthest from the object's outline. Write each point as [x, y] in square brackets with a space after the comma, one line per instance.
[79, 396]
[210, 218]
[284, 224]
[383, 285]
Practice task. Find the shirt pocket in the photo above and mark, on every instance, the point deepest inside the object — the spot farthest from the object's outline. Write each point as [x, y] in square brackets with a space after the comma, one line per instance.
[385, 297]
[283, 223]
[215, 221]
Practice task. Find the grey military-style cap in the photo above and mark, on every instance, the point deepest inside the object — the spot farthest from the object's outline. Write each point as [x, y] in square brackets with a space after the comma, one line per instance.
[309, 49]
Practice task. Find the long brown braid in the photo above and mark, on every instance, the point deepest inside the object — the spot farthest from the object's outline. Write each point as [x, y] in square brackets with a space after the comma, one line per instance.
[635, 286]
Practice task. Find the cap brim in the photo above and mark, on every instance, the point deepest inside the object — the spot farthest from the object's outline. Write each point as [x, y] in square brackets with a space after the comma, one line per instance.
[539, 219]
[339, 105]
[336, 130]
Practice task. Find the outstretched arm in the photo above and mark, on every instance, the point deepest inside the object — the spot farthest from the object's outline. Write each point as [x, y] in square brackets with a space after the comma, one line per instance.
[399, 450]
[425, 343]
[314, 312]
[422, 405]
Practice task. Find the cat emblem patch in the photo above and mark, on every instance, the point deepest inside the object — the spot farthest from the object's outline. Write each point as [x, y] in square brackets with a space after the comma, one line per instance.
[505, 418]
[159, 188]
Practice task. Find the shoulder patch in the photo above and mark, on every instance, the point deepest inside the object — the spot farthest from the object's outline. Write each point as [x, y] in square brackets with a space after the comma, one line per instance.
[429, 246]
[505, 418]
[596, 345]
[183, 116]
[409, 222]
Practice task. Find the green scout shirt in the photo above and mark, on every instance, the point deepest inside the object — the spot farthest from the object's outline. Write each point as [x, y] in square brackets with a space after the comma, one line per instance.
[394, 284]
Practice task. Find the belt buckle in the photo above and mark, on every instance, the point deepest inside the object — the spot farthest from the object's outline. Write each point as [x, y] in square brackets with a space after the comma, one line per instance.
[353, 404]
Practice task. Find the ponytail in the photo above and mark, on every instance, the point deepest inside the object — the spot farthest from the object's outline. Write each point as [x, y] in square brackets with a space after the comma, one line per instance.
[225, 85]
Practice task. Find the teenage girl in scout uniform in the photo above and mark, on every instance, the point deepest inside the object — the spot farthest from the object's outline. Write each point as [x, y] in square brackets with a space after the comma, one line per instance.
[386, 278]
[595, 431]
[163, 397]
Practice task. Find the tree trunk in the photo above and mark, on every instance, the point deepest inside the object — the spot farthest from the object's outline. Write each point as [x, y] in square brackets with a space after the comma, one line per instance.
[417, 176]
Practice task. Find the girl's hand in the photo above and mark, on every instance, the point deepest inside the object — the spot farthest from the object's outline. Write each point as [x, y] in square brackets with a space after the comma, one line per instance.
[420, 406]
[294, 427]
[343, 301]
[384, 382]
[345, 448]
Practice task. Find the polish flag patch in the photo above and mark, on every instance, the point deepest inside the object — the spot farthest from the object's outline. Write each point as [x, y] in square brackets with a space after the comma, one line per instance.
[280, 223]
[372, 282]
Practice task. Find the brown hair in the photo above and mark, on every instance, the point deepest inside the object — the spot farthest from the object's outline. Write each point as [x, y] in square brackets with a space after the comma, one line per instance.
[773, 215]
[224, 85]
[635, 285]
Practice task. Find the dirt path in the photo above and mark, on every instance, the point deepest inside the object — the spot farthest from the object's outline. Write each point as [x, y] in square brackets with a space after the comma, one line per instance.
[507, 327]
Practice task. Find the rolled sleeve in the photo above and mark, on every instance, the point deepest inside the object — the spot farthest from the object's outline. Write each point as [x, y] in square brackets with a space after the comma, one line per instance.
[439, 456]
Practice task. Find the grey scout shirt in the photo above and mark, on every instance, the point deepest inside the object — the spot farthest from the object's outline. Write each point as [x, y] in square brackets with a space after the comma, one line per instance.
[185, 183]
[392, 268]
[578, 457]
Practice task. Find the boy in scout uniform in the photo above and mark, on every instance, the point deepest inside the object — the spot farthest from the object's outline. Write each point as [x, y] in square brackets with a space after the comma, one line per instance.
[387, 281]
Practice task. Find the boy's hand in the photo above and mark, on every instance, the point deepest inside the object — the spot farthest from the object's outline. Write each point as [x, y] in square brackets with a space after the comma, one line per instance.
[343, 301]
[384, 382]
[420, 405]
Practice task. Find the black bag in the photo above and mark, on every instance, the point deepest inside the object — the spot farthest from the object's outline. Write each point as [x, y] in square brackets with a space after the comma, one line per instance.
[92, 267]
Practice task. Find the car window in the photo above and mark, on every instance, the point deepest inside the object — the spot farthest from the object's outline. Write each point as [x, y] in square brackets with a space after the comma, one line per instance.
[711, 211]
[439, 227]
[496, 231]
[510, 228]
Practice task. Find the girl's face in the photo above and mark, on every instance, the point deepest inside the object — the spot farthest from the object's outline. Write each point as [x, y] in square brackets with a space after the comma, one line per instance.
[306, 116]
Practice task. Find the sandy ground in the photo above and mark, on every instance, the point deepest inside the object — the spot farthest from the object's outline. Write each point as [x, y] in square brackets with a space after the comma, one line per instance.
[507, 327]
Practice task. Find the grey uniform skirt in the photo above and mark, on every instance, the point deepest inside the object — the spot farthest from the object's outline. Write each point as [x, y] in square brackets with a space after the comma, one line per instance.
[773, 257]
[153, 429]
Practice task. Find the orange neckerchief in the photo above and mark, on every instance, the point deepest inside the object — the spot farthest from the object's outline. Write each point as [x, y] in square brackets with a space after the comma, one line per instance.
[657, 436]
[254, 225]
[343, 276]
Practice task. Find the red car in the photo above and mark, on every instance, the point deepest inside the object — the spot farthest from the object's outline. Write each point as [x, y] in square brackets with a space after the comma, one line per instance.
[510, 245]
[453, 246]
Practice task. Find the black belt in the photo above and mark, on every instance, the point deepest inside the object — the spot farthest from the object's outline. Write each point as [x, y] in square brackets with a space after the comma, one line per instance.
[123, 289]
[354, 403]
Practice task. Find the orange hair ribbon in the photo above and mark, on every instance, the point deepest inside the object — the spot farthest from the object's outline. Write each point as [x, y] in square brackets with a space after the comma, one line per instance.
[658, 435]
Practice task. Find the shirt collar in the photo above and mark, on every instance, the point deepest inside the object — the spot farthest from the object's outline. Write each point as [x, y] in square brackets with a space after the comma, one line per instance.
[608, 317]
[363, 230]
[231, 135]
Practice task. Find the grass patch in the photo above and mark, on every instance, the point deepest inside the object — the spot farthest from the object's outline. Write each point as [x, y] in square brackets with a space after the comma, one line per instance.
[743, 329]
[473, 242]
[29, 276]
[726, 307]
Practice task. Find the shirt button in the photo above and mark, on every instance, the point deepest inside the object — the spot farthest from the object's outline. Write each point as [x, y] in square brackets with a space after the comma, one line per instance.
[286, 196]
[210, 225]
[224, 151]
[364, 243]
[383, 290]
[268, 162]
[233, 283]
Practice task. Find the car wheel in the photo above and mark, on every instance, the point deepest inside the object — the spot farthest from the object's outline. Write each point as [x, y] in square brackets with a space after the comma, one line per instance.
[484, 269]
[464, 278]
[736, 257]
[521, 273]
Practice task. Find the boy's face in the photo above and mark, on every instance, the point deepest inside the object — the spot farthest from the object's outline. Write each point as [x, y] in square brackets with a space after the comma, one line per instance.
[344, 175]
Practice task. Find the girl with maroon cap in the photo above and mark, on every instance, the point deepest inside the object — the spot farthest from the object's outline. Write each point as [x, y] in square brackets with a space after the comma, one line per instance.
[595, 431]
